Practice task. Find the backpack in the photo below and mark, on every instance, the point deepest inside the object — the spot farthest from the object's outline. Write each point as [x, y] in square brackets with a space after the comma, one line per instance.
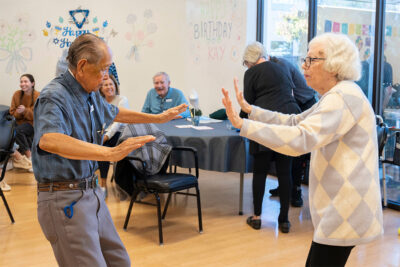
[7, 132]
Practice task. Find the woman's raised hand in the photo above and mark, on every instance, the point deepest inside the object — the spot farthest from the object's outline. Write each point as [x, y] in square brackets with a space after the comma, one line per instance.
[233, 116]
[246, 107]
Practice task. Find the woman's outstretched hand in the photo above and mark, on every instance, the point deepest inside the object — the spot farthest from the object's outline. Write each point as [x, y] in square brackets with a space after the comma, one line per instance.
[246, 107]
[233, 116]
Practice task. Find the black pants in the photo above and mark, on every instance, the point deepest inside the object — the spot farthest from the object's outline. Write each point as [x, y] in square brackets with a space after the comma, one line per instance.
[261, 165]
[104, 166]
[24, 136]
[324, 255]
[300, 169]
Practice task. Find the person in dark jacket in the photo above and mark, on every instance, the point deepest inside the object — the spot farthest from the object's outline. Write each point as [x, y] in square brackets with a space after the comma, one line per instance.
[305, 98]
[267, 85]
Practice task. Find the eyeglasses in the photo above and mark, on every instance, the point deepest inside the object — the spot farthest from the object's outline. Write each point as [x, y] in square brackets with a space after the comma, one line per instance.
[308, 60]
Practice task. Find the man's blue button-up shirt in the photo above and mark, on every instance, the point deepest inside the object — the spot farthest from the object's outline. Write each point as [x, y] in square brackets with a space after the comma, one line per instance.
[154, 104]
[63, 107]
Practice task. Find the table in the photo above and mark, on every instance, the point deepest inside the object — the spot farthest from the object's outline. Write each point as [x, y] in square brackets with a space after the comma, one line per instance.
[221, 149]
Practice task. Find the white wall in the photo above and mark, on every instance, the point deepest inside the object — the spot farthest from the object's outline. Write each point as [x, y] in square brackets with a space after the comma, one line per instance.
[163, 33]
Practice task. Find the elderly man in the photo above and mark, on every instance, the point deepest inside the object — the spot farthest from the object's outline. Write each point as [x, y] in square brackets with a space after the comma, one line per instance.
[70, 119]
[163, 97]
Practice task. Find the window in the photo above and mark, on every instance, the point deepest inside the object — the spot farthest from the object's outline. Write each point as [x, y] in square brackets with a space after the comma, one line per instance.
[285, 29]
[390, 93]
[356, 19]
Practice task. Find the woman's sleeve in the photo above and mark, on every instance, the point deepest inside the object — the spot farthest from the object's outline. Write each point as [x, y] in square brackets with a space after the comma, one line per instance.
[123, 103]
[330, 120]
[28, 113]
[272, 117]
[14, 106]
[116, 126]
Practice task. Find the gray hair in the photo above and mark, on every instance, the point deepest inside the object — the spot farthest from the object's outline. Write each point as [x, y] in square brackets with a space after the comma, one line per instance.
[341, 55]
[253, 53]
[161, 73]
[87, 46]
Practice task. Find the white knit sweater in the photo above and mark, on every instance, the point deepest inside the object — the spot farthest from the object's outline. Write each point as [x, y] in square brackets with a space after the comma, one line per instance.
[340, 133]
[121, 102]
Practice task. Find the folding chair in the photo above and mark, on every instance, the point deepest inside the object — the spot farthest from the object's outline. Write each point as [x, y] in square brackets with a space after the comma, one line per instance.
[7, 139]
[382, 134]
[165, 183]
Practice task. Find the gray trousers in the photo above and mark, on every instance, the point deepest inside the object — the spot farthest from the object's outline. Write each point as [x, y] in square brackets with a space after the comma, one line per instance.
[89, 237]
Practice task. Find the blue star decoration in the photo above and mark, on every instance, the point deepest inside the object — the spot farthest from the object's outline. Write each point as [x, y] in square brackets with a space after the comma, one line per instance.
[85, 13]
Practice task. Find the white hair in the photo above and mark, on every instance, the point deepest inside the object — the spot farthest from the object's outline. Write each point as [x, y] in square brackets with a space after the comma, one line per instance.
[253, 53]
[161, 73]
[341, 55]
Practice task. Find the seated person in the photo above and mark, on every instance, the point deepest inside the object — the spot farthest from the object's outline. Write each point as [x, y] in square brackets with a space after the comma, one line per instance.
[21, 108]
[163, 97]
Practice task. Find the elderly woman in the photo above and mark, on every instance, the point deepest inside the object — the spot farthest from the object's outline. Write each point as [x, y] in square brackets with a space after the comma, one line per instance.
[110, 91]
[268, 86]
[340, 133]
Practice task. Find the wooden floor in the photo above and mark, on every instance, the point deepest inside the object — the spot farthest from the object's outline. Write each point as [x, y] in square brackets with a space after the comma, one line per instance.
[226, 240]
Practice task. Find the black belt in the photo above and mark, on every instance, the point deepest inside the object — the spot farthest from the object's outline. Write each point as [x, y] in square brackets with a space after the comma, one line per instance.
[82, 184]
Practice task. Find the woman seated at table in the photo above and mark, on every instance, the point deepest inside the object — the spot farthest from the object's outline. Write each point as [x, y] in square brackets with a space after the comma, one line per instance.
[22, 109]
[267, 85]
[340, 133]
[110, 92]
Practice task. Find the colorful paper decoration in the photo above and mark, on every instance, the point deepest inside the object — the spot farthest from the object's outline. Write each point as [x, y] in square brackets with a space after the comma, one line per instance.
[365, 29]
[345, 28]
[388, 31]
[84, 12]
[336, 27]
[358, 29]
[352, 29]
[328, 26]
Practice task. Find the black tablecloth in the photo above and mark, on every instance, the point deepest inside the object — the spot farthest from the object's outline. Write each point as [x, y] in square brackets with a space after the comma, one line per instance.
[220, 149]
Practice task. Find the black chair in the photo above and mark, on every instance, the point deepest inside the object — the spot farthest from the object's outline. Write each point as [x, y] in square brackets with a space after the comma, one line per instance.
[382, 134]
[166, 183]
[7, 139]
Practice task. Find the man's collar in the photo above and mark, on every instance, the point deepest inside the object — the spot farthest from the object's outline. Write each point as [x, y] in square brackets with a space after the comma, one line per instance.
[168, 95]
[76, 87]
[71, 72]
